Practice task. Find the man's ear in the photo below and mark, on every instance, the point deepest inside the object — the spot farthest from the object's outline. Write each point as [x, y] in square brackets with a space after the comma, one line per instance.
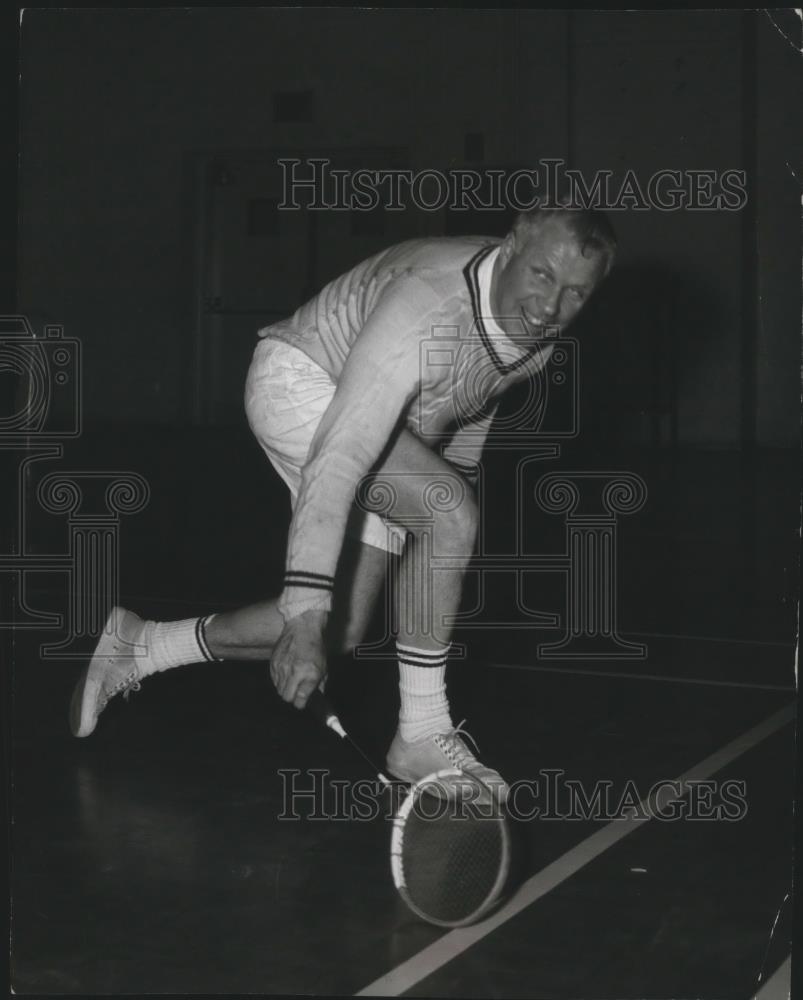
[508, 247]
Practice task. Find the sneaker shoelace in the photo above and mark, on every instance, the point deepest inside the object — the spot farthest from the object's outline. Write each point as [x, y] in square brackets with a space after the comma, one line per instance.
[453, 745]
[130, 684]
[127, 684]
[124, 686]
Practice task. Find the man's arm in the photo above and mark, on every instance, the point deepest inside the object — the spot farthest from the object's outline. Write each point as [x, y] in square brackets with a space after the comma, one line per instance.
[378, 382]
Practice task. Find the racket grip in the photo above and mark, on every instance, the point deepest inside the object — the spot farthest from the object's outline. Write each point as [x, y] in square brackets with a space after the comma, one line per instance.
[320, 708]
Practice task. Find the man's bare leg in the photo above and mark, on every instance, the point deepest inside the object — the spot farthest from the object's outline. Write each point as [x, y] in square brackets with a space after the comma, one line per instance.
[427, 601]
[130, 649]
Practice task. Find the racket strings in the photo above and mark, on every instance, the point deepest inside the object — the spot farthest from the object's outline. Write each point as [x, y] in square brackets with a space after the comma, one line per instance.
[454, 863]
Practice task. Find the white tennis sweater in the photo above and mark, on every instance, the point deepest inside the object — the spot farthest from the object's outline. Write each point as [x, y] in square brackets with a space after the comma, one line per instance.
[409, 339]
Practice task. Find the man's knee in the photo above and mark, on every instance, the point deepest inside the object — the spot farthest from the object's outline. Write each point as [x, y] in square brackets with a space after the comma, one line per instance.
[454, 528]
[468, 519]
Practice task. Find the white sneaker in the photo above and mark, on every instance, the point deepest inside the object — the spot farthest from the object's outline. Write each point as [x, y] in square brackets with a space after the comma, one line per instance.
[112, 670]
[412, 761]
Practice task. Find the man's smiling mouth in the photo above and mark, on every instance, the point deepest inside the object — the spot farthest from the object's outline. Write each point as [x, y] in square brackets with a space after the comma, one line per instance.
[534, 326]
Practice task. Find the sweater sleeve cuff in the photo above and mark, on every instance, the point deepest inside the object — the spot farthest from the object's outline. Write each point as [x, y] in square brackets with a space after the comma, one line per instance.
[305, 592]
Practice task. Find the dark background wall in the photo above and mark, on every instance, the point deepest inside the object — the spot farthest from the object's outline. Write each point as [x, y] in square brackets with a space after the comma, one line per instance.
[116, 103]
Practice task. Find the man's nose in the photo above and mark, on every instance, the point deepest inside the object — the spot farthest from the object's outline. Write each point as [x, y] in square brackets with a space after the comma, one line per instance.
[549, 305]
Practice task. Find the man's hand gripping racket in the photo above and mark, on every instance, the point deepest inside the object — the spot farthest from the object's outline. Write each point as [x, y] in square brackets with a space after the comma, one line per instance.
[298, 663]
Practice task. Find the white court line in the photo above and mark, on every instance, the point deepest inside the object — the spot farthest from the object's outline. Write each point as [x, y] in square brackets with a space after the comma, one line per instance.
[670, 679]
[790, 644]
[779, 985]
[431, 958]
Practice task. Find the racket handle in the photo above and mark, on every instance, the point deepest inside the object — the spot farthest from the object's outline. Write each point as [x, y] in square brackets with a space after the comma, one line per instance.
[323, 712]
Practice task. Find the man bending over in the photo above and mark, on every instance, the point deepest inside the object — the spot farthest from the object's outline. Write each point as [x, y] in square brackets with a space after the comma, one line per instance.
[343, 390]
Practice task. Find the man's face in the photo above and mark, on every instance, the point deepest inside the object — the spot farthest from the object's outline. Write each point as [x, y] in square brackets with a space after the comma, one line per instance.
[543, 283]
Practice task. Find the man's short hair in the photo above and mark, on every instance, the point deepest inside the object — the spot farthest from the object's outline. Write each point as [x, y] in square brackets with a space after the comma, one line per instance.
[589, 226]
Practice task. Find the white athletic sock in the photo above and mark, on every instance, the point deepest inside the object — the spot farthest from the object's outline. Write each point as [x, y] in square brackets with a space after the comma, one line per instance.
[422, 687]
[174, 644]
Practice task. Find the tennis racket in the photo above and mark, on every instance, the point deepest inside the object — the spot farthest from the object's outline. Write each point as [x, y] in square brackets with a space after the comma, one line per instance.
[451, 848]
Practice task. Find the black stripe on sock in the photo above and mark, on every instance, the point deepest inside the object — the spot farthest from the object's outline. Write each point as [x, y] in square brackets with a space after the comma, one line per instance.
[426, 654]
[423, 666]
[313, 581]
[425, 658]
[200, 636]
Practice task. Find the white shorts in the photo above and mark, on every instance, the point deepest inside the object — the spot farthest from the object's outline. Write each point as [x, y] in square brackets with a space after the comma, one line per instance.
[286, 394]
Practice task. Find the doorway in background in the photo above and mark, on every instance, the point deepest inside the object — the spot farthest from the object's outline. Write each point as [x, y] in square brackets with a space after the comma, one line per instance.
[256, 262]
